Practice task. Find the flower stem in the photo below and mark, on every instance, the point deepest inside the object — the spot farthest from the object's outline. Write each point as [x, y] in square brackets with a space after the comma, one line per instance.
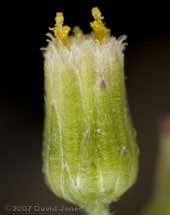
[98, 209]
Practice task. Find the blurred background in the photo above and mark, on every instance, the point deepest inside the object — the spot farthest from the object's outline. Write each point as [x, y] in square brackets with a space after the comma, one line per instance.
[147, 70]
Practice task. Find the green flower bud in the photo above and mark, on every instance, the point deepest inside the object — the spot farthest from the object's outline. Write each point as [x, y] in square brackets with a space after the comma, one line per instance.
[159, 204]
[90, 155]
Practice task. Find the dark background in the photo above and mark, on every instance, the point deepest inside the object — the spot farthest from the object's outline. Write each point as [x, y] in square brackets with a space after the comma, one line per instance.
[147, 68]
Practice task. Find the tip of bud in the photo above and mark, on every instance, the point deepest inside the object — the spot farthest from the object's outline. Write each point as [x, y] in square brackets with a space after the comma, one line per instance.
[165, 126]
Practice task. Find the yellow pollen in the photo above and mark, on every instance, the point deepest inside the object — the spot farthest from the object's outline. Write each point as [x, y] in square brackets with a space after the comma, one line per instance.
[99, 28]
[60, 31]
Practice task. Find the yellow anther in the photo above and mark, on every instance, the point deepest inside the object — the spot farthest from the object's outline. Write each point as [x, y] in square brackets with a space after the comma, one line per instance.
[99, 28]
[59, 19]
[60, 31]
[97, 14]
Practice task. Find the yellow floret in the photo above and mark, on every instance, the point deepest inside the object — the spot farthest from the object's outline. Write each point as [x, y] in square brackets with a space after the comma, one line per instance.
[60, 31]
[99, 28]
[78, 33]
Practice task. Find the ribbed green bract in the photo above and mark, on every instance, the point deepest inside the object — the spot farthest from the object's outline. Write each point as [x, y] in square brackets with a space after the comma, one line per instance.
[90, 157]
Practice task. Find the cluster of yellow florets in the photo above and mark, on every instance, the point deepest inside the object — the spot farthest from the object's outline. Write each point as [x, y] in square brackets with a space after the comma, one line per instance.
[61, 31]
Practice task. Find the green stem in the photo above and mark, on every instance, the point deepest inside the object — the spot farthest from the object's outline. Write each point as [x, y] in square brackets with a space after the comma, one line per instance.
[98, 209]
